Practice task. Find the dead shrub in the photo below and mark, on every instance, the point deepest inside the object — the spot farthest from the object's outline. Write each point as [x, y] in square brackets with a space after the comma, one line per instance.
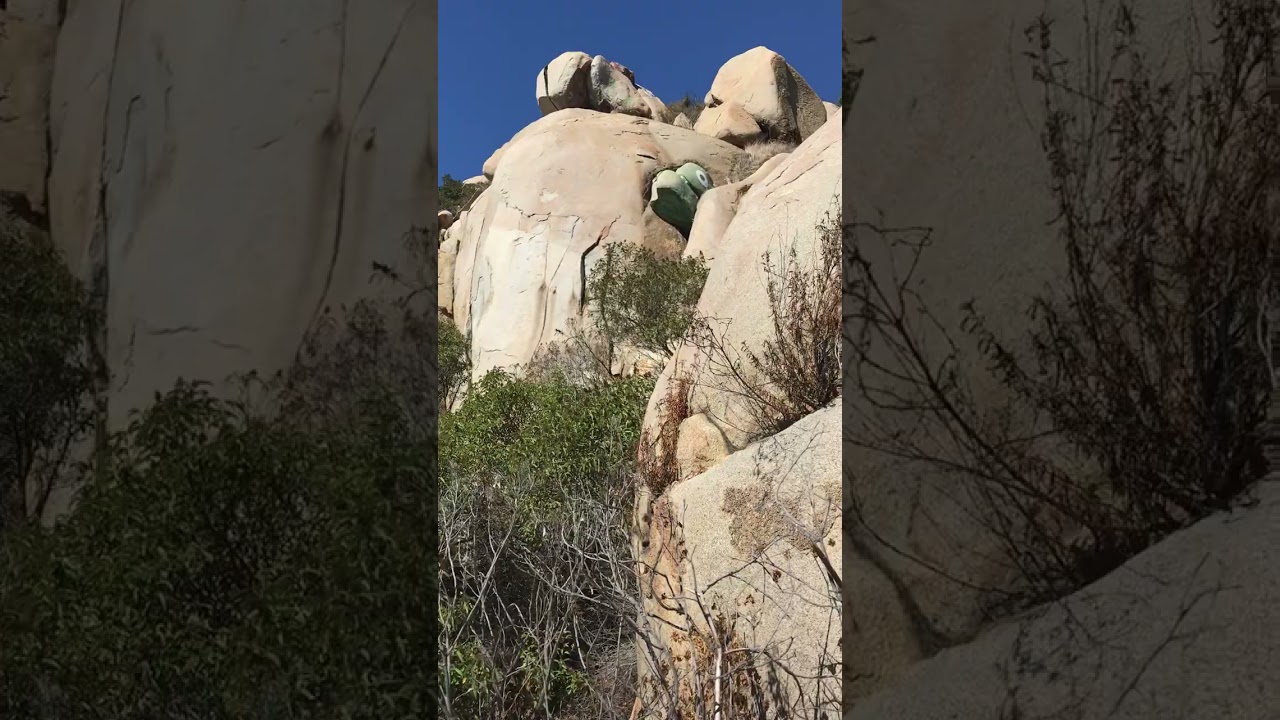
[1137, 398]
[796, 370]
[657, 461]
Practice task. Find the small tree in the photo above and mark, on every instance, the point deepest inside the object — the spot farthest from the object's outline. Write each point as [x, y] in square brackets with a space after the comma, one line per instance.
[455, 195]
[642, 300]
[455, 362]
[45, 379]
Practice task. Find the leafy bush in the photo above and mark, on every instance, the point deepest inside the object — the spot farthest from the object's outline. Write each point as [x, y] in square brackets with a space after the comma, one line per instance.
[454, 361]
[519, 459]
[229, 566]
[564, 435]
[45, 376]
[455, 196]
[642, 300]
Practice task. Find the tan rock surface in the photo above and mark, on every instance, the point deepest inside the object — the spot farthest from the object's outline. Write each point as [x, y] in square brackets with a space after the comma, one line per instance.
[716, 209]
[749, 526]
[568, 184]
[729, 122]
[771, 91]
[563, 82]
[251, 171]
[782, 211]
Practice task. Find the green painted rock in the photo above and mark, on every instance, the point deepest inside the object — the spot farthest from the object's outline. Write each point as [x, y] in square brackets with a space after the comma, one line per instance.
[674, 200]
[697, 178]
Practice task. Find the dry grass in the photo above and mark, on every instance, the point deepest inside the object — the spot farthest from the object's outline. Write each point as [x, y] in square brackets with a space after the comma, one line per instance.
[687, 106]
[754, 155]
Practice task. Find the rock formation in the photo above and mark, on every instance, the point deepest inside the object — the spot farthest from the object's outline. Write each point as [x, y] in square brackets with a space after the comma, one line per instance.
[577, 80]
[221, 174]
[567, 185]
[601, 167]
[764, 87]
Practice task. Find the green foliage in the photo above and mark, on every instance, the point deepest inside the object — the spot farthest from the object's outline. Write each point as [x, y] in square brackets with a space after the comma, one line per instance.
[455, 196]
[515, 459]
[645, 301]
[563, 435]
[454, 361]
[228, 565]
[45, 379]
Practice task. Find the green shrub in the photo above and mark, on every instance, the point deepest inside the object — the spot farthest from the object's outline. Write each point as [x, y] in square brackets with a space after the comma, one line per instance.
[227, 566]
[455, 196]
[45, 378]
[645, 301]
[563, 435]
[454, 361]
[518, 459]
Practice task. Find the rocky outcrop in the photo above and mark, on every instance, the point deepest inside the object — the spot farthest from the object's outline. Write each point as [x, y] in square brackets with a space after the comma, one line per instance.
[577, 80]
[770, 91]
[226, 172]
[729, 122]
[564, 83]
[568, 184]
[747, 531]
[777, 214]
[758, 548]
[717, 208]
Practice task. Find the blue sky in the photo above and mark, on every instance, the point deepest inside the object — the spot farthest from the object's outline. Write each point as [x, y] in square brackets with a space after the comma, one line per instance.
[491, 52]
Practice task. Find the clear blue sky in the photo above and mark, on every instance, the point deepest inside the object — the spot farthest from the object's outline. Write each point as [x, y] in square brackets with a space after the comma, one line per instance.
[491, 52]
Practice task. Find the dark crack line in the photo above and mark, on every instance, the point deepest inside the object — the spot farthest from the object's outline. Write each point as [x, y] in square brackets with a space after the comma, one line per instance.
[582, 302]
[346, 147]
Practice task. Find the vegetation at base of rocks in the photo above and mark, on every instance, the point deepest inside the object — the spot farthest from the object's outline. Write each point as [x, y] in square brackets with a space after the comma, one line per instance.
[754, 155]
[456, 196]
[642, 300]
[687, 106]
[534, 560]
[1136, 399]
[268, 557]
[45, 375]
[454, 352]
[560, 435]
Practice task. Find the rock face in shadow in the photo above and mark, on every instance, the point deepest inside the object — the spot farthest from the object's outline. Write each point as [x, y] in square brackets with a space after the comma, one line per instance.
[1184, 630]
[224, 172]
[26, 72]
[944, 134]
